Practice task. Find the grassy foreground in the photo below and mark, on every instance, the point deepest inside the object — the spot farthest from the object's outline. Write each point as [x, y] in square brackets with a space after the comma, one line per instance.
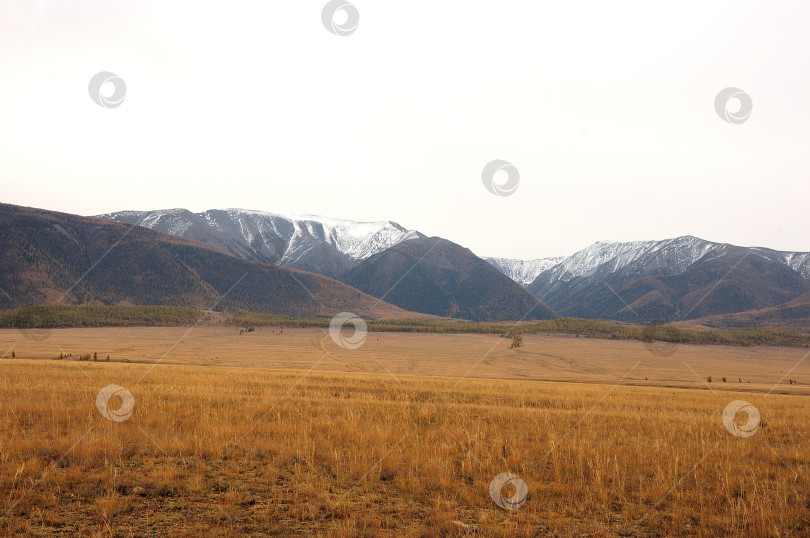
[229, 451]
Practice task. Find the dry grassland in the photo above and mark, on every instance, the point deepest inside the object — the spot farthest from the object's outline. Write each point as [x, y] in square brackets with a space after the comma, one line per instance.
[541, 357]
[233, 451]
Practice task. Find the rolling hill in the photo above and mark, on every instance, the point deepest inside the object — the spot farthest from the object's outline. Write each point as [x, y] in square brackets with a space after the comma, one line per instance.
[793, 315]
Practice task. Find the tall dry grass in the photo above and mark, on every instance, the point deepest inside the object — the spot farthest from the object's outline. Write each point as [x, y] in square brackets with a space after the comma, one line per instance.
[229, 451]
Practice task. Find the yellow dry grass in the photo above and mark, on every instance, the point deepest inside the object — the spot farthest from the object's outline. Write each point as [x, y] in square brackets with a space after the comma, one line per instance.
[232, 451]
[541, 357]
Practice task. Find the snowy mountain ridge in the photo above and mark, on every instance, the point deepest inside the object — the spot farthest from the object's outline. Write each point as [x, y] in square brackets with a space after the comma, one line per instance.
[320, 244]
[332, 246]
[668, 255]
[636, 258]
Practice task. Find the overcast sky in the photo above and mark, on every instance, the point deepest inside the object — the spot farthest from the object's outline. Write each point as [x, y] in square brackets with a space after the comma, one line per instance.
[606, 109]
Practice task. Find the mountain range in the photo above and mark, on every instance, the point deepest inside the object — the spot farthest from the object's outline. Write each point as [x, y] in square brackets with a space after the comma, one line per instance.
[671, 280]
[329, 247]
[57, 258]
[382, 259]
[407, 272]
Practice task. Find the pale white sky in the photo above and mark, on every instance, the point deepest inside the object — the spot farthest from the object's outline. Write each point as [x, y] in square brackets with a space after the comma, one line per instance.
[605, 108]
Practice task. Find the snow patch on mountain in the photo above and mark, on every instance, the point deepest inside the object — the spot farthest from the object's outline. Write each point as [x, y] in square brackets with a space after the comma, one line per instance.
[523, 271]
[798, 261]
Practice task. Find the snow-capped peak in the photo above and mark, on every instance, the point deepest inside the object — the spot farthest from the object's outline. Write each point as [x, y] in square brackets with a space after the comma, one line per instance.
[326, 245]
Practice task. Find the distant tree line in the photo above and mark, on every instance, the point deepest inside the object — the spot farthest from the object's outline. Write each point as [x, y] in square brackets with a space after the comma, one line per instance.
[126, 316]
[33, 317]
[586, 328]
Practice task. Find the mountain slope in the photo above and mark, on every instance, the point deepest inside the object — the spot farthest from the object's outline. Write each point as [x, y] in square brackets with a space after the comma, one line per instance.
[639, 258]
[321, 245]
[438, 277]
[61, 258]
[524, 272]
[793, 315]
[682, 278]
